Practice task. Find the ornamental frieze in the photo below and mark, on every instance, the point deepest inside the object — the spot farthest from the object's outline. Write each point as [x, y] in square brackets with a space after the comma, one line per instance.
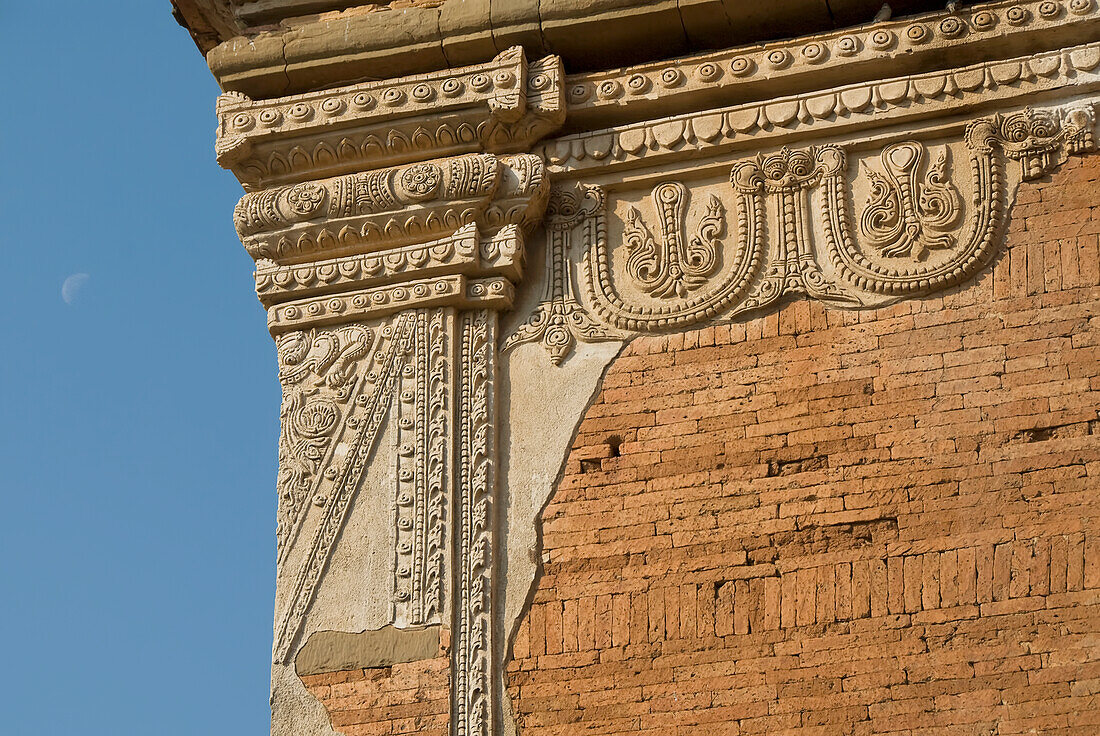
[838, 223]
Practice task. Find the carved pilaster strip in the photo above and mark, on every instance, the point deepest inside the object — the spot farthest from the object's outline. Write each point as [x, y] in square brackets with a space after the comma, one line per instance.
[472, 712]
[424, 470]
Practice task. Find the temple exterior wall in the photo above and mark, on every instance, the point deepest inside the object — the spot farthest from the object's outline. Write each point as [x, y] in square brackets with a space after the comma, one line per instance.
[743, 387]
[841, 522]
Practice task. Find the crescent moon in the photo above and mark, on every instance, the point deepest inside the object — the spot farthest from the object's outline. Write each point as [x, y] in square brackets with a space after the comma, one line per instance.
[70, 290]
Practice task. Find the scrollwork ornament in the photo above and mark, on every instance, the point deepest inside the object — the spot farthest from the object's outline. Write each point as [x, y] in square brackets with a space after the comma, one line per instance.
[907, 217]
[373, 393]
[1038, 140]
[679, 263]
[559, 321]
[317, 372]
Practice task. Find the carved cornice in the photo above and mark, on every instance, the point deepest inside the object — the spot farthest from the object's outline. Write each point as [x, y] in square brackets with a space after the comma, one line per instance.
[456, 290]
[863, 54]
[467, 252]
[387, 208]
[502, 106]
[827, 113]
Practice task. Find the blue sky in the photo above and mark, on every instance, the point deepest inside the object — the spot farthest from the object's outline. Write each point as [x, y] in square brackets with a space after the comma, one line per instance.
[139, 423]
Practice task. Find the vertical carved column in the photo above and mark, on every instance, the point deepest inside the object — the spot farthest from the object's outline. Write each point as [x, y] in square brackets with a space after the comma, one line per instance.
[473, 628]
[387, 221]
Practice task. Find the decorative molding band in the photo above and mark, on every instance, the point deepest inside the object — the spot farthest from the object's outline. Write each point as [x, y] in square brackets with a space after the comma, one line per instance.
[857, 106]
[299, 220]
[502, 106]
[374, 396]
[456, 290]
[472, 709]
[466, 251]
[870, 52]
[389, 208]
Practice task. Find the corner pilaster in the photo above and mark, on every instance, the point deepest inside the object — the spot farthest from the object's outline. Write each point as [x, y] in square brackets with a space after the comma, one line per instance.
[388, 222]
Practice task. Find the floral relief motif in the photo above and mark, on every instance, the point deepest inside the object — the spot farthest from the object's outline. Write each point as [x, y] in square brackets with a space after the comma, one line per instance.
[910, 215]
[317, 372]
[559, 320]
[365, 395]
[907, 217]
[1038, 140]
[673, 267]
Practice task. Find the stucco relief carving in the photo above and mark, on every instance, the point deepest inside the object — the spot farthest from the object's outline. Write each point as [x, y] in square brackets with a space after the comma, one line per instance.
[905, 216]
[680, 261]
[502, 106]
[559, 321]
[922, 226]
[821, 60]
[832, 112]
[473, 711]
[1036, 140]
[425, 440]
[368, 403]
[317, 372]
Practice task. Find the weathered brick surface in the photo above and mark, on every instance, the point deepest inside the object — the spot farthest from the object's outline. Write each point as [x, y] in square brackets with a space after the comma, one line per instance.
[828, 522]
[407, 698]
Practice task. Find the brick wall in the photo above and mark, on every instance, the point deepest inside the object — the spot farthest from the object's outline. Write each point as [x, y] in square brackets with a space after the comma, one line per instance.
[836, 522]
[407, 698]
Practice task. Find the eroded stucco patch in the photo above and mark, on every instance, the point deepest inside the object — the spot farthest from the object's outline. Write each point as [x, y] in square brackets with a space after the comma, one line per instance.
[337, 651]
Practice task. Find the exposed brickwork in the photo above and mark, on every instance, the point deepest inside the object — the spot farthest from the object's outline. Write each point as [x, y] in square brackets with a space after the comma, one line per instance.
[403, 699]
[836, 522]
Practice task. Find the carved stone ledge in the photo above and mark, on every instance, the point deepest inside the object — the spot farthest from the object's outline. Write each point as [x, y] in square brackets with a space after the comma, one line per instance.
[856, 55]
[466, 251]
[833, 112]
[502, 106]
